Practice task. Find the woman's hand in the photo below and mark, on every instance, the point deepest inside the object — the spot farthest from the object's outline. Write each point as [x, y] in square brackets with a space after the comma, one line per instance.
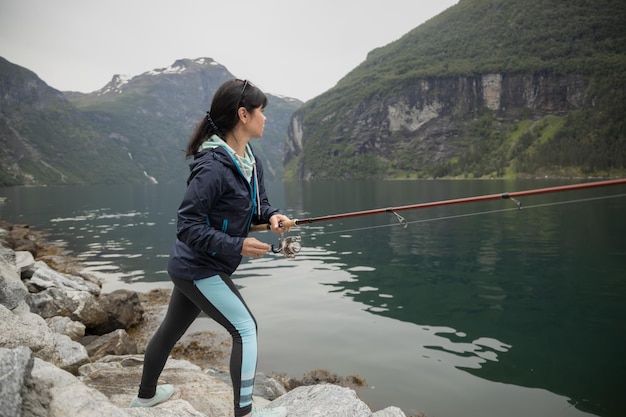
[254, 248]
[276, 223]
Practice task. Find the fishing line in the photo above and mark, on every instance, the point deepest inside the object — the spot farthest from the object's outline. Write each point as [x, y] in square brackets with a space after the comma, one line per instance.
[458, 216]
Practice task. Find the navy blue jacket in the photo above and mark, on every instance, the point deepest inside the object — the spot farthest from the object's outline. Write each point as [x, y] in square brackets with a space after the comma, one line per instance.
[215, 216]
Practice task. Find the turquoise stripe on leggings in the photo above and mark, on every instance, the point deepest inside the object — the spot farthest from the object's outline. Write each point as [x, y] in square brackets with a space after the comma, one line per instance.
[218, 294]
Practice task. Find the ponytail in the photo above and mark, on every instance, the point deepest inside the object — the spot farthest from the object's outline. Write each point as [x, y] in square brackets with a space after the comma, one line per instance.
[204, 130]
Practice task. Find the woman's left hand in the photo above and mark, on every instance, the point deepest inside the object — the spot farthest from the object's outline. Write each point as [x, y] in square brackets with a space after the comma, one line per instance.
[277, 222]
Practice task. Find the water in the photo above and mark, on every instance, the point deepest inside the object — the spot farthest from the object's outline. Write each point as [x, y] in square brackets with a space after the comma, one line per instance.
[478, 309]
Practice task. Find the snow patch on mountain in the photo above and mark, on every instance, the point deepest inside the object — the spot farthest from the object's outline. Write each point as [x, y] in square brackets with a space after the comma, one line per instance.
[116, 84]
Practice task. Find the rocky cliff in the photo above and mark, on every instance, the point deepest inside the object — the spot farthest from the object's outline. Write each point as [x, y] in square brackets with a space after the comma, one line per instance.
[427, 123]
[485, 89]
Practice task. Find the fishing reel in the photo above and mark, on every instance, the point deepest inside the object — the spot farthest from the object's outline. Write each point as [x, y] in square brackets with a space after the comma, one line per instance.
[288, 246]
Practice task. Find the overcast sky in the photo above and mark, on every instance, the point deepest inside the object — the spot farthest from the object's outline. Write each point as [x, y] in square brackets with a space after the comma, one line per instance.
[293, 48]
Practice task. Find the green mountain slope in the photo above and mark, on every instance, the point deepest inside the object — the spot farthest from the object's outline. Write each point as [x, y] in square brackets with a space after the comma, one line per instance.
[131, 131]
[504, 88]
[46, 141]
[154, 114]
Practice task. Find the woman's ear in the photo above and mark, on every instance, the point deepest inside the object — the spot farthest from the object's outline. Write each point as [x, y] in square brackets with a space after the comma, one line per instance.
[243, 114]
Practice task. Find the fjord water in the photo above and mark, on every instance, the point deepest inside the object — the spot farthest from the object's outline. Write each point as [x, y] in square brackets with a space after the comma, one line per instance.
[478, 309]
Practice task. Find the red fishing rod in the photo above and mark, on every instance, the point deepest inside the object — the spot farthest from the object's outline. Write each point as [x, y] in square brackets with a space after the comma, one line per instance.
[290, 246]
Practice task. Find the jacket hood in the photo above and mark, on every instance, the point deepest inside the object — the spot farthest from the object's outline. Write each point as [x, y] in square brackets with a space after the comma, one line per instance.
[215, 141]
[245, 164]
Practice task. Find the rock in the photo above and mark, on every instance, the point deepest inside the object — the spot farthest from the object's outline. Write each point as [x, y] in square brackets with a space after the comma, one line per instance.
[26, 329]
[12, 290]
[68, 354]
[264, 386]
[123, 309]
[389, 412]
[68, 396]
[19, 239]
[115, 343]
[78, 305]
[8, 255]
[35, 396]
[46, 277]
[118, 378]
[267, 387]
[323, 401]
[24, 261]
[15, 365]
[75, 330]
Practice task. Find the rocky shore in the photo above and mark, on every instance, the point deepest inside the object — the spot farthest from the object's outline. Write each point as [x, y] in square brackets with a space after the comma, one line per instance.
[68, 349]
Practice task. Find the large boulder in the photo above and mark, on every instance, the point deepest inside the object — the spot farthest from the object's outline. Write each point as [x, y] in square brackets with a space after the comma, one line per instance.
[26, 329]
[123, 309]
[324, 400]
[15, 366]
[45, 277]
[118, 378]
[78, 305]
[68, 396]
[68, 354]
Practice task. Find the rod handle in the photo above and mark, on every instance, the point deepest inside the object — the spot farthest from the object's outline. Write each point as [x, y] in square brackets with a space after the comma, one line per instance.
[265, 226]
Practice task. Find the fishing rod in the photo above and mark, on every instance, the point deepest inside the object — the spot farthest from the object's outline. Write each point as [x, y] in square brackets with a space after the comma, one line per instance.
[290, 246]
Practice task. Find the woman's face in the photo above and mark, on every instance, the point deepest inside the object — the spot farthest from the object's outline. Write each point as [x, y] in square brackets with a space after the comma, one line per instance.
[257, 122]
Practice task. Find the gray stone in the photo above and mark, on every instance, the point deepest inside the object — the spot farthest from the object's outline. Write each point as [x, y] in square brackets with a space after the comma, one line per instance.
[12, 290]
[118, 378]
[15, 365]
[389, 412]
[267, 387]
[68, 354]
[24, 260]
[323, 401]
[26, 329]
[7, 255]
[123, 310]
[78, 305]
[75, 330]
[46, 277]
[70, 397]
[115, 343]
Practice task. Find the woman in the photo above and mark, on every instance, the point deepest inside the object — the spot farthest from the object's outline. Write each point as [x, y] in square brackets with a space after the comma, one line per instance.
[225, 194]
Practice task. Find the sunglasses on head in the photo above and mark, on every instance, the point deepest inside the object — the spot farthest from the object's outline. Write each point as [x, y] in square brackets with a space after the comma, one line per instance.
[243, 90]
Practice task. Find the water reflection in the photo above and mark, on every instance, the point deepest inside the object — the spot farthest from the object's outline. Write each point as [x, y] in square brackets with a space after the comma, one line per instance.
[522, 278]
[507, 312]
[416, 363]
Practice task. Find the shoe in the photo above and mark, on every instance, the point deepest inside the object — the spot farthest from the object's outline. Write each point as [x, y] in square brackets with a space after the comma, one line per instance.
[269, 412]
[163, 393]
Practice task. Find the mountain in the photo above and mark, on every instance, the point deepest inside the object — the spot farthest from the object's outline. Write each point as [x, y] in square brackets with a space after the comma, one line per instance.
[134, 129]
[488, 88]
[45, 140]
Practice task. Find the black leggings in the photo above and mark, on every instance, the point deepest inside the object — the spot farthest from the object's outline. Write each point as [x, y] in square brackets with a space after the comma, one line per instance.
[218, 297]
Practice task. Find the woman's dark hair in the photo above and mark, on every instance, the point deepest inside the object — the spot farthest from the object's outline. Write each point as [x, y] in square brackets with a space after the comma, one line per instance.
[223, 117]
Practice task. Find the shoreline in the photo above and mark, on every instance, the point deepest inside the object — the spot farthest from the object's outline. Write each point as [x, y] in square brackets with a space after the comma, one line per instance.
[204, 349]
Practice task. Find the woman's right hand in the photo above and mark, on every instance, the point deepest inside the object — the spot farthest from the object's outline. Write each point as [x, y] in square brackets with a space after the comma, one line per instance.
[254, 248]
